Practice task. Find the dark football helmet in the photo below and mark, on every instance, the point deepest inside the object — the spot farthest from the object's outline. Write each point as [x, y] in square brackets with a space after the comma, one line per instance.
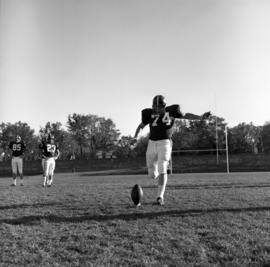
[50, 138]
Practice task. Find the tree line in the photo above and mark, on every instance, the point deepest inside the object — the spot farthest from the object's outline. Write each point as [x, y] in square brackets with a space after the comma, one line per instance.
[86, 135]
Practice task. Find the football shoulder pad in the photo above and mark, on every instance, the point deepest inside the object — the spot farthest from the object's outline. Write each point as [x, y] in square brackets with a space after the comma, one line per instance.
[146, 115]
[174, 111]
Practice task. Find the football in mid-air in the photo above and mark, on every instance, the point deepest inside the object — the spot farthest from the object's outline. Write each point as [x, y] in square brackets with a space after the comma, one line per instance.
[136, 194]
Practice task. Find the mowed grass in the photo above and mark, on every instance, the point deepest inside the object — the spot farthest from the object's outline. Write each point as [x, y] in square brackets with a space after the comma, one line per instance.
[85, 220]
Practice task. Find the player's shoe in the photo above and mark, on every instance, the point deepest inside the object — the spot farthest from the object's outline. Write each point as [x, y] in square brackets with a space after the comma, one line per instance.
[154, 177]
[160, 201]
[49, 182]
[13, 185]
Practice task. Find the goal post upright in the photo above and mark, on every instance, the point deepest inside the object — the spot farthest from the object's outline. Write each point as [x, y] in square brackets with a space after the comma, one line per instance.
[227, 151]
[216, 130]
[217, 148]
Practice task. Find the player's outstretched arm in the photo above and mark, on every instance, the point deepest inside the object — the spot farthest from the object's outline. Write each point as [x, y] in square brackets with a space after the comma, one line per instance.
[139, 128]
[206, 115]
[190, 116]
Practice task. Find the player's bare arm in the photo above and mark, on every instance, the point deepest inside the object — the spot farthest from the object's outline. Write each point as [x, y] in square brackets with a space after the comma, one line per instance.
[57, 154]
[139, 128]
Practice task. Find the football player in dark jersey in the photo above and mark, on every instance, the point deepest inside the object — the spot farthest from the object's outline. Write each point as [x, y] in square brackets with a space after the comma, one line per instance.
[161, 120]
[17, 147]
[50, 153]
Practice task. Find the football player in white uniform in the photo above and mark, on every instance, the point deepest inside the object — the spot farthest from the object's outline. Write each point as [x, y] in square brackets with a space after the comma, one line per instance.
[161, 120]
[17, 147]
[50, 153]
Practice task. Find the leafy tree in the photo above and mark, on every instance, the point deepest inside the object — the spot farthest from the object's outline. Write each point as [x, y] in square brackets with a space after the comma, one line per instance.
[265, 136]
[125, 147]
[245, 138]
[182, 135]
[78, 127]
[105, 135]
[199, 134]
[141, 146]
[214, 130]
[93, 132]
[254, 138]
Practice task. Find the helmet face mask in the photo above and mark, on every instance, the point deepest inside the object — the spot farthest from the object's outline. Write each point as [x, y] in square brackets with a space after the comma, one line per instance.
[18, 139]
[158, 109]
[159, 104]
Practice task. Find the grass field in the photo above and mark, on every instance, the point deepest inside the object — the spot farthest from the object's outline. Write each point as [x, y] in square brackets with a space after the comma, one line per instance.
[85, 220]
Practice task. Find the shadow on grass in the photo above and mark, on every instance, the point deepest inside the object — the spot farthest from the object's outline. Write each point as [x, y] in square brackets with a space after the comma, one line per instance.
[131, 171]
[37, 205]
[35, 220]
[208, 186]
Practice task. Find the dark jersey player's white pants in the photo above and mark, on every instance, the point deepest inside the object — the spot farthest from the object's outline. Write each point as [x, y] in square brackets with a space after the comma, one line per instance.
[48, 166]
[17, 165]
[158, 155]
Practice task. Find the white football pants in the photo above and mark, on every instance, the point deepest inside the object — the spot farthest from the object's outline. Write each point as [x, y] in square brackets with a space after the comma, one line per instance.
[158, 155]
[17, 165]
[48, 166]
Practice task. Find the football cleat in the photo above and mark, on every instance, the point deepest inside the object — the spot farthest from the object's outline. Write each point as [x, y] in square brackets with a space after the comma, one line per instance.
[160, 201]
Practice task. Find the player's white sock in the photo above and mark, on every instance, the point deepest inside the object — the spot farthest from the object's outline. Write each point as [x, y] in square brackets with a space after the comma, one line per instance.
[21, 176]
[44, 182]
[162, 185]
[14, 181]
[50, 180]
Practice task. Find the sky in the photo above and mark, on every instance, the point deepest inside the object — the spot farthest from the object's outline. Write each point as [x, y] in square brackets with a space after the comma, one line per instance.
[111, 57]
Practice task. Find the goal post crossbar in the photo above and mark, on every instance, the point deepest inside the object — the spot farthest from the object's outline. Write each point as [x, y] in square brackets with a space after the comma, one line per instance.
[198, 150]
